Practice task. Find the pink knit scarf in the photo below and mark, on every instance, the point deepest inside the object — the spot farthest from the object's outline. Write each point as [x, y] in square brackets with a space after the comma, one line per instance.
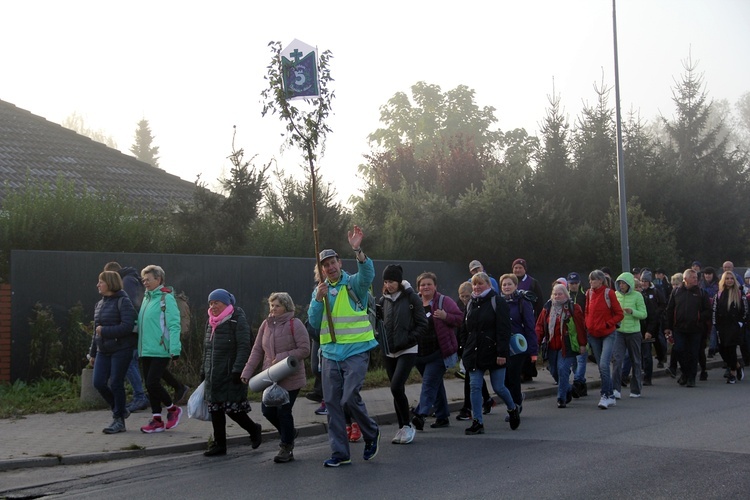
[215, 321]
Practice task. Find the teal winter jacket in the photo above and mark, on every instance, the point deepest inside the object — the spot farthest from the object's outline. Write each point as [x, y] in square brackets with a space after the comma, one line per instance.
[159, 324]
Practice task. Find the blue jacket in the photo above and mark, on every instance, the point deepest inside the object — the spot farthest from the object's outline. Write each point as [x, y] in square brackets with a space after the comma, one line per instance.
[360, 283]
[116, 315]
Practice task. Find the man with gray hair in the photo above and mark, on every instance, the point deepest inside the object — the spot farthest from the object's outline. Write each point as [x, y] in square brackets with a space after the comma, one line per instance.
[688, 317]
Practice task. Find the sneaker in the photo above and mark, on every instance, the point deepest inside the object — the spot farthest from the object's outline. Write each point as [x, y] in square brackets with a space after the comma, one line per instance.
[285, 454]
[691, 382]
[612, 401]
[464, 414]
[180, 395]
[215, 450]
[635, 394]
[312, 396]
[322, 410]
[399, 437]
[256, 435]
[349, 433]
[704, 376]
[354, 432]
[731, 380]
[669, 371]
[583, 390]
[515, 418]
[440, 423]
[336, 462]
[461, 374]
[575, 388]
[487, 406]
[603, 403]
[418, 422]
[371, 448]
[740, 373]
[682, 380]
[154, 425]
[409, 433]
[568, 398]
[173, 416]
[560, 404]
[137, 405]
[476, 428]
[616, 394]
[117, 425]
[726, 373]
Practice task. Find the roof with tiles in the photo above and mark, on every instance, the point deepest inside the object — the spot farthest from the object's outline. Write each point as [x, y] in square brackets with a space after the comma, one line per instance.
[34, 148]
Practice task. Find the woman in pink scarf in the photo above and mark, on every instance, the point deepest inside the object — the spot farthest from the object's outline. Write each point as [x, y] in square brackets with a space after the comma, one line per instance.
[227, 347]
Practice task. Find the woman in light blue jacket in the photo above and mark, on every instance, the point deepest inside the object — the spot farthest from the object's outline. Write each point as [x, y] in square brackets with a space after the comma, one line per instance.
[628, 335]
[158, 343]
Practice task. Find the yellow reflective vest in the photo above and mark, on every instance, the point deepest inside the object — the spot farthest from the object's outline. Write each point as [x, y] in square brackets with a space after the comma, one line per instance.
[350, 326]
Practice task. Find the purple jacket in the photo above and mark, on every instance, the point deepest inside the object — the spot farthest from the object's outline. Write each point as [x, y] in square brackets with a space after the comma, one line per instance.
[522, 320]
[446, 329]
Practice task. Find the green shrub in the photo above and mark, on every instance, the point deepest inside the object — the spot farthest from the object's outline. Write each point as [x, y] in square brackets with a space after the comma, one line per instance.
[45, 349]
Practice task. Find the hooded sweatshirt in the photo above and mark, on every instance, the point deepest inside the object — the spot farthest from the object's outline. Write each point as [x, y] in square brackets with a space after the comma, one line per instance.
[630, 300]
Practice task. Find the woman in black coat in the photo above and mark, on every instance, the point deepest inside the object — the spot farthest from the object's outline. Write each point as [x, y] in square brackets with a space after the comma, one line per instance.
[227, 347]
[486, 348]
[112, 346]
[405, 321]
[730, 312]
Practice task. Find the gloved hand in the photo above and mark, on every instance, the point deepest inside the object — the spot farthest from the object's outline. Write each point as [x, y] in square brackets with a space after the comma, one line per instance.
[236, 378]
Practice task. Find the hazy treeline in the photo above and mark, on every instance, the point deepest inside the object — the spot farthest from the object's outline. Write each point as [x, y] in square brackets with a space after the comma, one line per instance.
[443, 184]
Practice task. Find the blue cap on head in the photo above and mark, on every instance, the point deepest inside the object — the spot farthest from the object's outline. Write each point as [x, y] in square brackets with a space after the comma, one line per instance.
[222, 296]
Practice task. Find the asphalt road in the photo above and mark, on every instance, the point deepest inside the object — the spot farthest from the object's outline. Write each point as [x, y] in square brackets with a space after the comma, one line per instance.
[675, 442]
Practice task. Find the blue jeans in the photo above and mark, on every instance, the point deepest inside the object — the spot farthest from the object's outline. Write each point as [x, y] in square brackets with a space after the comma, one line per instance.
[109, 378]
[553, 363]
[134, 377]
[497, 380]
[281, 417]
[579, 367]
[602, 349]
[564, 364]
[432, 368]
[342, 382]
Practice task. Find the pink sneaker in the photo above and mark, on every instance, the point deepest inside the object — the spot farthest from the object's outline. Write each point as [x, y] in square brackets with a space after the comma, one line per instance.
[173, 416]
[155, 425]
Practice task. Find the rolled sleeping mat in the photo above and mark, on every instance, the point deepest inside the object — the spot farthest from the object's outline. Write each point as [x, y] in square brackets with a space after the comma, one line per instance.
[275, 373]
[518, 344]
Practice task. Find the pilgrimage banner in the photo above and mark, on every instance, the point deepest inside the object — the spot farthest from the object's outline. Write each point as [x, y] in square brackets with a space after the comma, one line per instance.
[300, 70]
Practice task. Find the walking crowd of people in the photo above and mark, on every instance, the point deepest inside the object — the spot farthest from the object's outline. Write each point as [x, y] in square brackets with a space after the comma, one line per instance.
[499, 328]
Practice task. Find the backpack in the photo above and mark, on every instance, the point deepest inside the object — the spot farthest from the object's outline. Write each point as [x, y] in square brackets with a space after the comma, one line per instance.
[183, 306]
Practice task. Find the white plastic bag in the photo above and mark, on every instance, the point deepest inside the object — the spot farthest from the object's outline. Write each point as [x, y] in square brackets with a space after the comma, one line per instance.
[275, 395]
[197, 406]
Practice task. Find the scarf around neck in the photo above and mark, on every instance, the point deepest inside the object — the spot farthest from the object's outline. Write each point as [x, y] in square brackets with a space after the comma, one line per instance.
[215, 321]
[555, 311]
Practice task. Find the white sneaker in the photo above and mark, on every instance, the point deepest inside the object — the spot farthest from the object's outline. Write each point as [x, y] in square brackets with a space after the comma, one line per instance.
[397, 439]
[603, 403]
[617, 394]
[408, 435]
[612, 401]
[635, 395]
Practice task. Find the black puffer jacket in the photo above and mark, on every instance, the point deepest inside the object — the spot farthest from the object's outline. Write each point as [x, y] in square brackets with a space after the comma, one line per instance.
[488, 332]
[116, 315]
[404, 319]
[225, 353]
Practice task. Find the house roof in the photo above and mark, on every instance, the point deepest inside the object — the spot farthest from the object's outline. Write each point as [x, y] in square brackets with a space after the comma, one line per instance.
[34, 148]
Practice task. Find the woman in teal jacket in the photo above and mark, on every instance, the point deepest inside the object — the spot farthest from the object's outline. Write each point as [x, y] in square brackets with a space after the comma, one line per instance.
[628, 335]
[158, 343]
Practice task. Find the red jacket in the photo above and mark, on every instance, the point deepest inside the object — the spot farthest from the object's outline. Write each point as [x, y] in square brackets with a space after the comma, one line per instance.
[602, 319]
[556, 342]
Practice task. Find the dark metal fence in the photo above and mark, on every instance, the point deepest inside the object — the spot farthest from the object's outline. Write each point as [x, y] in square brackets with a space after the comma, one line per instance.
[61, 279]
